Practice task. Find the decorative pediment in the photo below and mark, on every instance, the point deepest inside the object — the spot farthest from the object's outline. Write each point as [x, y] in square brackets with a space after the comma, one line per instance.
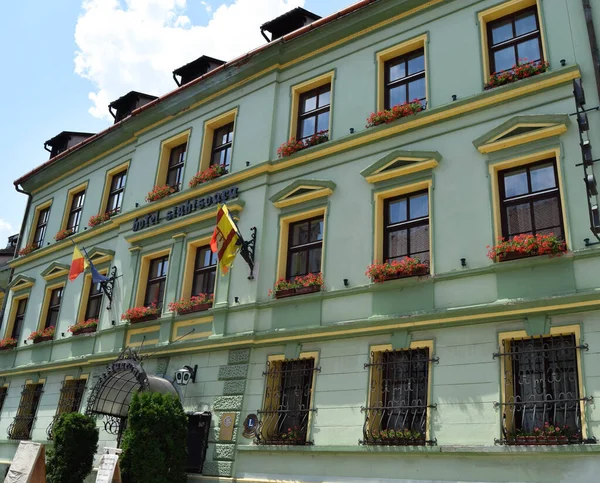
[21, 282]
[55, 270]
[400, 163]
[302, 190]
[521, 130]
[100, 255]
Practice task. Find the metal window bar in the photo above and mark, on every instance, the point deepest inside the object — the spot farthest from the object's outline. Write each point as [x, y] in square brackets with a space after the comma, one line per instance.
[71, 395]
[21, 427]
[398, 405]
[542, 404]
[286, 412]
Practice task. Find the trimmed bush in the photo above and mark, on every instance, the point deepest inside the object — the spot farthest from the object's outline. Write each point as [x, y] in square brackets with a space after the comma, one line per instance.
[155, 441]
[75, 444]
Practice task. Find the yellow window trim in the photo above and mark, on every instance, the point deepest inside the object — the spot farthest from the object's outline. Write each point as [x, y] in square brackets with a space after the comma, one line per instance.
[499, 11]
[165, 153]
[108, 181]
[306, 86]
[85, 294]
[284, 226]
[406, 47]
[145, 330]
[70, 195]
[190, 323]
[46, 303]
[315, 193]
[416, 344]
[188, 270]
[380, 198]
[21, 285]
[143, 277]
[556, 330]
[210, 127]
[13, 313]
[36, 217]
[419, 164]
[522, 161]
[545, 131]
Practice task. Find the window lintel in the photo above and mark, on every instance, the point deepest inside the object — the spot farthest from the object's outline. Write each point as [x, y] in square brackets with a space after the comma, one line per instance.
[21, 282]
[55, 270]
[400, 163]
[302, 190]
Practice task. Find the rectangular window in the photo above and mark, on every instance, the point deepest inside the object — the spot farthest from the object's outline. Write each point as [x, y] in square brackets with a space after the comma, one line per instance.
[398, 398]
[542, 401]
[94, 302]
[305, 246]
[287, 405]
[19, 317]
[40, 228]
[514, 38]
[54, 307]
[530, 200]
[197, 441]
[115, 195]
[3, 393]
[157, 278]
[221, 147]
[406, 227]
[75, 211]
[313, 112]
[21, 427]
[71, 396]
[175, 168]
[205, 269]
[405, 79]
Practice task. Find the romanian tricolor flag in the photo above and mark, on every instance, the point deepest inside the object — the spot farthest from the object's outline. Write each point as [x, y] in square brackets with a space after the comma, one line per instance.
[78, 264]
[226, 239]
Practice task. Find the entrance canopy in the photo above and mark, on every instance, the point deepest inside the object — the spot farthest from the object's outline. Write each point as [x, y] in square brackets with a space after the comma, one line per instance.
[112, 393]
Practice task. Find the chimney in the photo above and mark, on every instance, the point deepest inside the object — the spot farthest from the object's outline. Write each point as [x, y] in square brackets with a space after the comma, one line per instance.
[195, 69]
[128, 103]
[63, 141]
[288, 22]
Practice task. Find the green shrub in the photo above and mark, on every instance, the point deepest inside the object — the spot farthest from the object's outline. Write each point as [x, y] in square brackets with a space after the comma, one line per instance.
[75, 444]
[154, 443]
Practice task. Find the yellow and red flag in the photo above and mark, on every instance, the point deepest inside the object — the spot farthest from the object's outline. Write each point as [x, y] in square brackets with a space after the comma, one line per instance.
[225, 239]
[78, 264]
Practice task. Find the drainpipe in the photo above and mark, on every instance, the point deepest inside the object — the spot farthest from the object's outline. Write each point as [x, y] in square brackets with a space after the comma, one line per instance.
[18, 247]
[587, 10]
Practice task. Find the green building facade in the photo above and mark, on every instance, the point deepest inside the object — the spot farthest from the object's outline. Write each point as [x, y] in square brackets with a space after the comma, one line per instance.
[457, 372]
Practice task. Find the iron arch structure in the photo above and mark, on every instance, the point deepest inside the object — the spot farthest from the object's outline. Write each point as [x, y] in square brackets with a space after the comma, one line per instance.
[111, 395]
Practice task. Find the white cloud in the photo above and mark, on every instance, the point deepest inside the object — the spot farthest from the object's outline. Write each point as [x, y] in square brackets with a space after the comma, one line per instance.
[6, 230]
[129, 45]
[207, 6]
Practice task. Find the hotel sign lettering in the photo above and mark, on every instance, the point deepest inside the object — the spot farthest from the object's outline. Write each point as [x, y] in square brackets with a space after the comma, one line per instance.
[190, 206]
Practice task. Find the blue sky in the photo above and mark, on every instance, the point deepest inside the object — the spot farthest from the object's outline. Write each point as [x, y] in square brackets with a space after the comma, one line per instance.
[54, 54]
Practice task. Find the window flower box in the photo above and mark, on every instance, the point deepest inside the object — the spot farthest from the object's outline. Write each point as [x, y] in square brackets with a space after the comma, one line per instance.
[8, 343]
[62, 234]
[215, 171]
[396, 269]
[299, 285]
[521, 70]
[159, 192]
[292, 145]
[42, 335]
[399, 111]
[96, 220]
[86, 327]
[197, 303]
[136, 315]
[27, 249]
[523, 246]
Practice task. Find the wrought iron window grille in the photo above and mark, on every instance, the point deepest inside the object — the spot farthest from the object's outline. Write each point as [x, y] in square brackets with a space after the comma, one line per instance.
[543, 405]
[398, 408]
[71, 395]
[286, 412]
[22, 425]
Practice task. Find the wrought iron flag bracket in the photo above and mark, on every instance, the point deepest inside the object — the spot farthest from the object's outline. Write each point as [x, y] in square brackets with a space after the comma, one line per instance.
[108, 286]
[248, 251]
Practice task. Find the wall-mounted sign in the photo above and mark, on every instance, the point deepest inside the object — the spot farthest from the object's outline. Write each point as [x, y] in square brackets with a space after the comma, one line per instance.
[250, 425]
[186, 208]
[227, 424]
